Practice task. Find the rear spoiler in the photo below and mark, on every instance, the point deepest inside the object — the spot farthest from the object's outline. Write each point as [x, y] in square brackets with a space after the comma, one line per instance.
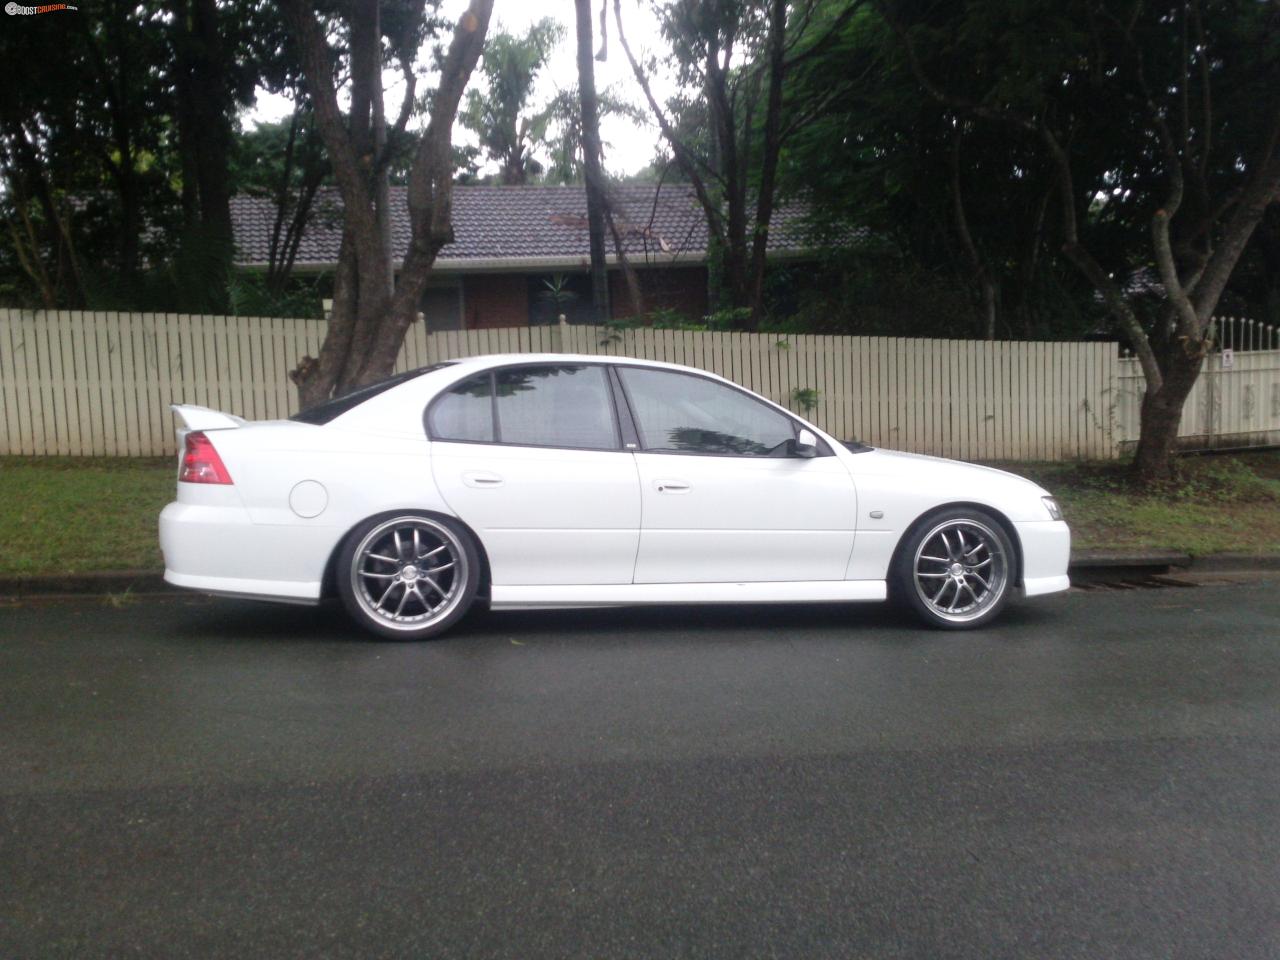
[203, 418]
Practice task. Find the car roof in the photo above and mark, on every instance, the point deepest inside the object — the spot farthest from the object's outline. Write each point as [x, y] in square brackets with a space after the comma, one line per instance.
[375, 411]
[482, 361]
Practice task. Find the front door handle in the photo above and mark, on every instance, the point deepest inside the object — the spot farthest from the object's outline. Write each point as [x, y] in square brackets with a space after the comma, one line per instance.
[672, 486]
[479, 478]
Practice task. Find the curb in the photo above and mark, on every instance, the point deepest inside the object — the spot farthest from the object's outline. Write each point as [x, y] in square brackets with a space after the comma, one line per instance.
[1235, 561]
[1110, 566]
[85, 584]
[1102, 560]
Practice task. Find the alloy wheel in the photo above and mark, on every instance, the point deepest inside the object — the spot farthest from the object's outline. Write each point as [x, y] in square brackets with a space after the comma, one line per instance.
[409, 573]
[961, 570]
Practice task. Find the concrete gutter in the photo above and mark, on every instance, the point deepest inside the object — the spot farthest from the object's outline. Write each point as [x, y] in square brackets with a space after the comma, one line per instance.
[1096, 568]
[1086, 566]
[85, 584]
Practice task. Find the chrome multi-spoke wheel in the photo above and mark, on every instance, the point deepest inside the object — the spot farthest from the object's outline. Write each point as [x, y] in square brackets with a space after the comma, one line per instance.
[409, 576]
[958, 569]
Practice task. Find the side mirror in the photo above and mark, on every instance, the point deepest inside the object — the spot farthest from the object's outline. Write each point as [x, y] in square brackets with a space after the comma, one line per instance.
[805, 444]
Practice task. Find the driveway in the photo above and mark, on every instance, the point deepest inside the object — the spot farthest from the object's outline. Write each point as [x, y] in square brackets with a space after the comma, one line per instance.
[1095, 776]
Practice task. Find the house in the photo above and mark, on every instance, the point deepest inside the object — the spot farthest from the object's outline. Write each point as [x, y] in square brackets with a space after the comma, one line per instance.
[521, 253]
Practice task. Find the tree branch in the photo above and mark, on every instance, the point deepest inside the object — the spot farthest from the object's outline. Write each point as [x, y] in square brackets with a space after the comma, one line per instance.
[820, 45]
[684, 156]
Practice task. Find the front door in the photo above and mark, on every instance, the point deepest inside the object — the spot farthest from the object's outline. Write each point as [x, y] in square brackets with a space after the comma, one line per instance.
[529, 457]
[723, 499]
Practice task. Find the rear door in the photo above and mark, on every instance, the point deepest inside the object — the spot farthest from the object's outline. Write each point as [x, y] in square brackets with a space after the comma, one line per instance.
[530, 457]
[723, 497]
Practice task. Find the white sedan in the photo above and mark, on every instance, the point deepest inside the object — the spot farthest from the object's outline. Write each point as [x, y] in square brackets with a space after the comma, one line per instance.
[578, 481]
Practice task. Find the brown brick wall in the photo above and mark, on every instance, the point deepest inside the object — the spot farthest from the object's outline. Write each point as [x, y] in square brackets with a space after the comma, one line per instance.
[683, 289]
[496, 300]
[502, 299]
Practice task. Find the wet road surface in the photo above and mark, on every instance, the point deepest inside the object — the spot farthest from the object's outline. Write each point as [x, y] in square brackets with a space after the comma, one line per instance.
[1095, 776]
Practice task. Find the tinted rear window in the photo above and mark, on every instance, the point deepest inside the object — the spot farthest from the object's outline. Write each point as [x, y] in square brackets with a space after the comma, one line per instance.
[556, 406]
[465, 412]
[322, 413]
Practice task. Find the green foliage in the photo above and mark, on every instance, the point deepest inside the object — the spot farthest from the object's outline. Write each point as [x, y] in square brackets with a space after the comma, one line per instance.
[663, 318]
[563, 139]
[100, 111]
[556, 291]
[806, 398]
[497, 115]
[250, 295]
[728, 318]
[258, 161]
[1218, 503]
[880, 153]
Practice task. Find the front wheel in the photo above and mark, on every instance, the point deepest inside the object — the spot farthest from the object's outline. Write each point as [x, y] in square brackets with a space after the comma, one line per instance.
[408, 577]
[956, 569]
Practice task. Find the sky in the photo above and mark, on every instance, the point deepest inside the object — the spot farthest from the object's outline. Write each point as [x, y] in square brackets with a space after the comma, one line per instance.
[627, 147]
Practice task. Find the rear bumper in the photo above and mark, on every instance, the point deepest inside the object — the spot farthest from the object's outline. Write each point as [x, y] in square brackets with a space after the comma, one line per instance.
[1046, 551]
[218, 549]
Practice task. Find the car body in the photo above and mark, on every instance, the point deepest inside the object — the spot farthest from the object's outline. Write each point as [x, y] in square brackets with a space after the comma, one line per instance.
[564, 481]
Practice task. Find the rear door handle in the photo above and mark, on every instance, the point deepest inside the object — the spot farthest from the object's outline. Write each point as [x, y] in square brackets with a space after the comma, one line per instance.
[672, 486]
[478, 478]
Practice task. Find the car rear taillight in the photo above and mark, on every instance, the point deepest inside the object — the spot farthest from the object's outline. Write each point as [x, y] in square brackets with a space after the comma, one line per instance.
[201, 463]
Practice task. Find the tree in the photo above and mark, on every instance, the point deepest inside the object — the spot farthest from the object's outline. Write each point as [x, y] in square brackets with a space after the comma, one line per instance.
[738, 55]
[593, 162]
[963, 204]
[218, 52]
[1159, 121]
[284, 161]
[117, 129]
[497, 115]
[563, 140]
[371, 310]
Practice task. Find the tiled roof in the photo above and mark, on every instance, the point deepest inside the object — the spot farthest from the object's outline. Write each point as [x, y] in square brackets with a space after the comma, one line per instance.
[496, 226]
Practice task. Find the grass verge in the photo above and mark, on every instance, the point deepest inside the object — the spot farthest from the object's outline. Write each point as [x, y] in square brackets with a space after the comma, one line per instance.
[71, 515]
[1221, 503]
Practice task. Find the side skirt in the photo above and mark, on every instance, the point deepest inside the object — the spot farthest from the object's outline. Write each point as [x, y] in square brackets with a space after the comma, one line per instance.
[635, 594]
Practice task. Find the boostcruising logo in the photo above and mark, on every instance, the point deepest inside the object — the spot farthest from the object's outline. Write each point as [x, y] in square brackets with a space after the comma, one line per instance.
[18, 10]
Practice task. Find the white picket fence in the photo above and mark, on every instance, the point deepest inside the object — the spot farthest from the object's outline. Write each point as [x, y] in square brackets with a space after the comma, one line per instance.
[100, 384]
[1234, 403]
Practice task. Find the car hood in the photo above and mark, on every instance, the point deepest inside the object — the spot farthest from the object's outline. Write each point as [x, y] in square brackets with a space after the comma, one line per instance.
[964, 479]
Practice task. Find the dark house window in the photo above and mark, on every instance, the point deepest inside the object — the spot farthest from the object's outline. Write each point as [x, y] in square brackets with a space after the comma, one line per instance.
[441, 307]
[551, 294]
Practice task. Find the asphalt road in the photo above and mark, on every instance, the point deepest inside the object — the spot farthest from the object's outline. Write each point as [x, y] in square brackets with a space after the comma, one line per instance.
[1095, 777]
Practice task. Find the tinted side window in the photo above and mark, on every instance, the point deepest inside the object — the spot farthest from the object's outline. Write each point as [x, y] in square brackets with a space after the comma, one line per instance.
[465, 412]
[688, 414]
[558, 405]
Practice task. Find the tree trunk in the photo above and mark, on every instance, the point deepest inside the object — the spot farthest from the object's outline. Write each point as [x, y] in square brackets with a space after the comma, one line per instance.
[1161, 413]
[981, 275]
[592, 153]
[769, 159]
[204, 111]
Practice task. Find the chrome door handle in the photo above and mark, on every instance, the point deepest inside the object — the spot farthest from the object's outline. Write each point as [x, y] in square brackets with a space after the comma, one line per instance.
[672, 486]
[476, 478]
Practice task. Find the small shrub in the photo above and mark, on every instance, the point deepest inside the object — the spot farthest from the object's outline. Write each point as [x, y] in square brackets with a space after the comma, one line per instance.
[806, 398]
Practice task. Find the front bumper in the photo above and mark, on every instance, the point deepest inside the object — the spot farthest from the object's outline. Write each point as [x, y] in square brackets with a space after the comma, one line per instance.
[1046, 551]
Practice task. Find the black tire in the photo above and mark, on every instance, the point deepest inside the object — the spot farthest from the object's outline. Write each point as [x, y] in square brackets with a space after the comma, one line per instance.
[969, 554]
[394, 579]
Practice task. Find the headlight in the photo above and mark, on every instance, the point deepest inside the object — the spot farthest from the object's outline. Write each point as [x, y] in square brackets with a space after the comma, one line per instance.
[1050, 504]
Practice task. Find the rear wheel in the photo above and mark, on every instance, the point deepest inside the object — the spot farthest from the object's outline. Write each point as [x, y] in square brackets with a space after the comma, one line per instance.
[956, 569]
[408, 577]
